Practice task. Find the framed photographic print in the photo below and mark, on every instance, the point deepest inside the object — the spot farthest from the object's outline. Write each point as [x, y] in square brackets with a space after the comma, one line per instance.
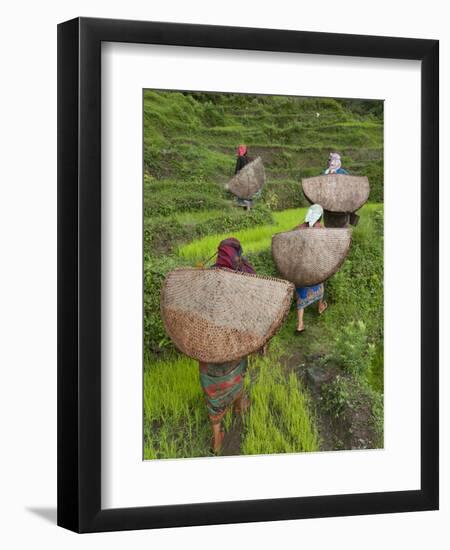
[248, 274]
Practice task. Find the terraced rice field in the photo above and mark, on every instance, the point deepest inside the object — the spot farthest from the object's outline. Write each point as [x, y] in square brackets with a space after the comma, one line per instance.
[189, 142]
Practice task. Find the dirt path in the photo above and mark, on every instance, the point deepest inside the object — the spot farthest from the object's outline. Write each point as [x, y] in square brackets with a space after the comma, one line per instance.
[307, 358]
[232, 441]
[353, 428]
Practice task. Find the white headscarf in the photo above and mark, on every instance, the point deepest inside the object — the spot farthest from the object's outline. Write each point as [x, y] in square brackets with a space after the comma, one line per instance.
[314, 214]
[334, 163]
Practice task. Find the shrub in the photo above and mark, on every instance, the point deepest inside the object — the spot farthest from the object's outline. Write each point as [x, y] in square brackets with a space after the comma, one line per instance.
[356, 291]
[352, 350]
[263, 263]
[374, 172]
[155, 270]
[355, 407]
[283, 194]
[336, 396]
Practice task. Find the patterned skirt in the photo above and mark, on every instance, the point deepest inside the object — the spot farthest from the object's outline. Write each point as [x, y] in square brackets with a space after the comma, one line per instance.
[307, 295]
[222, 384]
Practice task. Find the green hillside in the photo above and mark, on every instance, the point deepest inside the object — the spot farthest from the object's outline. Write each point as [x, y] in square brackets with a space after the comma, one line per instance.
[193, 137]
[189, 153]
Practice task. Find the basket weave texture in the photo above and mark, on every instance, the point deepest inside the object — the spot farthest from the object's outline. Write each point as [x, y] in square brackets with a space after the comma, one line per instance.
[307, 257]
[337, 192]
[218, 315]
[248, 180]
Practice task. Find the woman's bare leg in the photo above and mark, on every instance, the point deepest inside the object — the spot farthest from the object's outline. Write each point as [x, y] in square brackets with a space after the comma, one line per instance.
[218, 436]
[241, 404]
[322, 305]
[300, 324]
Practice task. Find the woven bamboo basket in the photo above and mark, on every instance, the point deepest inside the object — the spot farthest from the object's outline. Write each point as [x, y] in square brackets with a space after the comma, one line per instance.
[337, 192]
[249, 180]
[307, 257]
[218, 315]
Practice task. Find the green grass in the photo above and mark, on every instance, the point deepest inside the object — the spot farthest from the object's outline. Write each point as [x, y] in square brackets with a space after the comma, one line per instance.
[175, 419]
[191, 218]
[280, 418]
[190, 136]
[252, 240]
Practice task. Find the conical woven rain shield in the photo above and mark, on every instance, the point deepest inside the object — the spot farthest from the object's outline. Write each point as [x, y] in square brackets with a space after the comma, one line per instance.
[249, 180]
[218, 315]
[337, 192]
[308, 257]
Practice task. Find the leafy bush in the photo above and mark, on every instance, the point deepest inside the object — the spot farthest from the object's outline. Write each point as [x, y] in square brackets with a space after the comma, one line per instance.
[374, 172]
[356, 291]
[336, 396]
[364, 107]
[263, 263]
[352, 351]
[352, 402]
[281, 195]
[356, 295]
[155, 270]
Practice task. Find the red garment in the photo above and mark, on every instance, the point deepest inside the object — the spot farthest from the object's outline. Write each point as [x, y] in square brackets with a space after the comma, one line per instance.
[305, 225]
[242, 150]
[229, 255]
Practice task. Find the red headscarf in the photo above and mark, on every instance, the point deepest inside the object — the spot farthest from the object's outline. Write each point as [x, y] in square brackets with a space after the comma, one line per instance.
[242, 150]
[229, 255]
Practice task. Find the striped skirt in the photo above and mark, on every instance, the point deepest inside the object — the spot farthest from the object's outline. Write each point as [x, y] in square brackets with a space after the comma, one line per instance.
[222, 384]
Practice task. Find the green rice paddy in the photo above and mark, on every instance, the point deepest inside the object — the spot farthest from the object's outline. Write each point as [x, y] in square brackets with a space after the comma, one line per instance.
[279, 419]
[252, 240]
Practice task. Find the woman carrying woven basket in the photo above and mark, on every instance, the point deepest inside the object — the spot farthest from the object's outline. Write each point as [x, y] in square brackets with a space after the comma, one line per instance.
[242, 160]
[335, 165]
[308, 295]
[223, 384]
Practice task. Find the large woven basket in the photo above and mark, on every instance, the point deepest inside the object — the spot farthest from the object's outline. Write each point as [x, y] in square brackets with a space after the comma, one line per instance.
[337, 192]
[249, 180]
[218, 315]
[308, 257]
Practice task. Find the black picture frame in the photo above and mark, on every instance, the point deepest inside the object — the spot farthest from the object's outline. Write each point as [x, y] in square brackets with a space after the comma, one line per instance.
[79, 274]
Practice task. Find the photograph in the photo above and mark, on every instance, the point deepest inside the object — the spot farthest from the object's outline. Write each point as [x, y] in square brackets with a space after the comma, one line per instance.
[263, 274]
[225, 292]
